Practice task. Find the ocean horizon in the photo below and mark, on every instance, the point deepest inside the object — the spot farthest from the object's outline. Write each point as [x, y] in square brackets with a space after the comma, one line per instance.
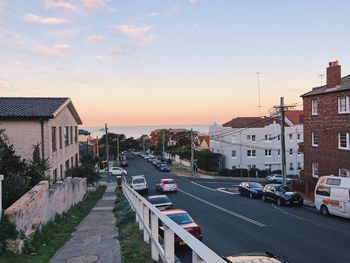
[138, 131]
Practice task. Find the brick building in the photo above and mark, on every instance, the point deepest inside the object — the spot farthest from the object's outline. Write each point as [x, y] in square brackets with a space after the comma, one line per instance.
[327, 126]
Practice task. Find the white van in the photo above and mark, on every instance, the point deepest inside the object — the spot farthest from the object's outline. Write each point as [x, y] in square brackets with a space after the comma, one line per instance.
[332, 196]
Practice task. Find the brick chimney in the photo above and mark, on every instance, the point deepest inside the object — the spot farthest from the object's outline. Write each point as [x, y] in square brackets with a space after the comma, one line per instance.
[333, 74]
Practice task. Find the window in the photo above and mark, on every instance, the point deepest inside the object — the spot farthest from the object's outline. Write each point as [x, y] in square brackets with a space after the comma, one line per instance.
[344, 140]
[290, 151]
[344, 104]
[268, 137]
[76, 160]
[344, 172]
[61, 171]
[248, 137]
[291, 166]
[298, 136]
[290, 136]
[299, 166]
[66, 137]
[67, 164]
[233, 154]
[253, 137]
[333, 181]
[71, 162]
[268, 152]
[251, 166]
[60, 136]
[76, 134]
[314, 139]
[54, 141]
[279, 152]
[251, 153]
[71, 135]
[315, 169]
[279, 137]
[233, 166]
[54, 174]
[314, 107]
[323, 190]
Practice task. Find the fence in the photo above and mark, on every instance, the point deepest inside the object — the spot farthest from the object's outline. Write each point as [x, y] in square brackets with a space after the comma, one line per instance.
[148, 217]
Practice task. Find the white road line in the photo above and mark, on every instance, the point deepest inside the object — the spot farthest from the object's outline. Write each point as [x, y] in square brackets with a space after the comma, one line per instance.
[211, 189]
[227, 192]
[225, 210]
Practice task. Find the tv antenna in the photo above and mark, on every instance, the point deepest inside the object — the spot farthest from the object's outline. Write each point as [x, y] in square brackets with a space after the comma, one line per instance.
[259, 105]
[321, 77]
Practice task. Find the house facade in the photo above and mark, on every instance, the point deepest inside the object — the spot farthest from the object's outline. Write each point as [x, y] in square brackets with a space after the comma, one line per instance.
[327, 126]
[50, 122]
[255, 142]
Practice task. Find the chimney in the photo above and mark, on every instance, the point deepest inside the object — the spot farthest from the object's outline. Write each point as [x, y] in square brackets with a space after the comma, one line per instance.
[333, 74]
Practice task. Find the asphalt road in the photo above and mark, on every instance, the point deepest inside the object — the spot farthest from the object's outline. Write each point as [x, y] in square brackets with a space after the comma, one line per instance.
[232, 224]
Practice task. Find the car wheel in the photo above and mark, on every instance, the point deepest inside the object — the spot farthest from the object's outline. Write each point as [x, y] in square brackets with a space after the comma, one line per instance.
[324, 210]
[274, 181]
[110, 174]
[279, 201]
[263, 198]
[300, 204]
[123, 174]
[250, 195]
[240, 193]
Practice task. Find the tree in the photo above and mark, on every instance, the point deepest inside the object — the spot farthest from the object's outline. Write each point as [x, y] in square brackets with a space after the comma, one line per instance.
[37, 167]
[208, 161]
[15, 182]
[86, 169]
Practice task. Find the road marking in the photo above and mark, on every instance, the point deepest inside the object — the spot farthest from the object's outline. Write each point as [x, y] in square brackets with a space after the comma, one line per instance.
[224, 209]
[211, 189]
[225, 191]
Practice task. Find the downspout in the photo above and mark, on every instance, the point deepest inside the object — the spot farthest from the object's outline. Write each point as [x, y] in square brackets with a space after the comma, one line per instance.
[42, 140]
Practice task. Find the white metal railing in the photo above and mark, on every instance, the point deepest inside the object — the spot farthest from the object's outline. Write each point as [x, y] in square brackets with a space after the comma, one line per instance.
[145, 211]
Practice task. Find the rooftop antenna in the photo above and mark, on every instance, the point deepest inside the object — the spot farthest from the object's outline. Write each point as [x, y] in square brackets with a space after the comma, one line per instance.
[321, 77]
[259, 105]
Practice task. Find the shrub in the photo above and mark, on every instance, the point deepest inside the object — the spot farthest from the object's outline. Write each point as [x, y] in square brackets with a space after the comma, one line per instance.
[7, 231]
[208, 161]
[85, 170]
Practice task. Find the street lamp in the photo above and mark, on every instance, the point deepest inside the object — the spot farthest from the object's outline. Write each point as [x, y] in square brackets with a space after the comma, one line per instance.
[1, 178]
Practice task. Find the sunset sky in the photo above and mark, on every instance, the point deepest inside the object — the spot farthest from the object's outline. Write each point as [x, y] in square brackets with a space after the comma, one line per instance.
[145, 62]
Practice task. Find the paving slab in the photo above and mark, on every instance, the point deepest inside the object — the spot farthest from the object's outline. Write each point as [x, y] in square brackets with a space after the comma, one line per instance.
[96, 237]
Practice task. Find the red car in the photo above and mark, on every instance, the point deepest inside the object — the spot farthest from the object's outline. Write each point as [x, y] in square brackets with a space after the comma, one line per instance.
[182, 218]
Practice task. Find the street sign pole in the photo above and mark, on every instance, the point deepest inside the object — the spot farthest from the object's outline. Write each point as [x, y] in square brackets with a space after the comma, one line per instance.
[1, 178]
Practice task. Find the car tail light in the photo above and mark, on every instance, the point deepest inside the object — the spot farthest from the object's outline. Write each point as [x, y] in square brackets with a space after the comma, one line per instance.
[175, 185]
[163, 185]
[195, 231]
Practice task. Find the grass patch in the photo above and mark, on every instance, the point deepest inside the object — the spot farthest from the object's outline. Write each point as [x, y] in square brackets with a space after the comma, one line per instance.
[54, 234]
[133, 249]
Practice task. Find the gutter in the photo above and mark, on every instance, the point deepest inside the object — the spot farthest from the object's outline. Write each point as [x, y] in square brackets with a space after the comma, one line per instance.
[42, 139]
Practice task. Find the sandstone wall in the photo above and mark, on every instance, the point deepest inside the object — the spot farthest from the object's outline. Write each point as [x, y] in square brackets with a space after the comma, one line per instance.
[41, 204]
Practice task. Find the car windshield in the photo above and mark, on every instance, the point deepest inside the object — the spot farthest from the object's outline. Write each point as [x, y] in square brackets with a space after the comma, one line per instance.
[181, 219]
[159, 200]
[255, 185]
[138, 181]
[163, 165]
[284, 189]
[169, 182]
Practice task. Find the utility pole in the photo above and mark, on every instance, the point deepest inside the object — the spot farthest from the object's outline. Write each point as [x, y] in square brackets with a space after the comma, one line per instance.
[1, 178]
[97, 150]
[118, 157]
[192, 156]
[321, 77]
[107, 148]
[87, 146]
[282, 108]
[143, 144]
[163, 143]
[259, 105]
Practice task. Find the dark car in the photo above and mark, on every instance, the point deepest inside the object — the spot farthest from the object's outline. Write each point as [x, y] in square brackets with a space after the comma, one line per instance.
[281, 194]
[164, 168]
[162, 202]
[251, 189]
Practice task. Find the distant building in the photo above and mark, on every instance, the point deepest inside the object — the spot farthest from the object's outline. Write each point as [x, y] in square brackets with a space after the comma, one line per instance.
[83, 135]
[202, 142]
[156, 136]
[50, 122]
[255, 142]
[327, 126]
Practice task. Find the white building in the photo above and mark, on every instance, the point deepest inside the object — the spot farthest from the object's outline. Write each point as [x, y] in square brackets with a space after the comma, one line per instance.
[50, 122]
[255, 142]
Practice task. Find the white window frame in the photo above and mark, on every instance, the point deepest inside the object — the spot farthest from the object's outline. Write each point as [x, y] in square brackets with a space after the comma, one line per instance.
[290, 151]
[347, 105]
[315, 169]
[253, 138]
[279, 152]
[314, 108]
[291, 136]
[250, 153]
[298, 136]
[344, 172]
[235, 154]
[291, 167]
[268, 152]
[313, 139]
[299, 166]
[347, 139]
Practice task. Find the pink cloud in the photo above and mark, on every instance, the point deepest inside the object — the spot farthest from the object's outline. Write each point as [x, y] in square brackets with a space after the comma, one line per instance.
[96, 39]
[44, 20]
[54, 50]
[94, 4]
[63, 5]
[131, 30]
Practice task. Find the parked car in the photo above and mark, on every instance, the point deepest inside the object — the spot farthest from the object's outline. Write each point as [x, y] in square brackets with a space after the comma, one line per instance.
[182, 218]
[251, 189]
[332, 195]
[124, 163]
[281, 194]
[266, 257]
[139, 184]
[166, 185]
[277, 178]
[162, 202]
[164, 168]
[117, 171]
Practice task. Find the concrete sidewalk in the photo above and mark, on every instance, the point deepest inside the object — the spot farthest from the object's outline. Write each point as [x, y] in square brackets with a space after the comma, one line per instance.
[95, 239]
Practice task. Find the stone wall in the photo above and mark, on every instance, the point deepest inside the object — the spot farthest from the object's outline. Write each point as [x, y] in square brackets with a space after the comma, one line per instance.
[41, 204]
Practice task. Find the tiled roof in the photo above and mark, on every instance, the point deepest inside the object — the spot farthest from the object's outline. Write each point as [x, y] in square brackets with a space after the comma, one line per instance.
[344, 85]
[33, 108]
[295, 116]
[250, 122]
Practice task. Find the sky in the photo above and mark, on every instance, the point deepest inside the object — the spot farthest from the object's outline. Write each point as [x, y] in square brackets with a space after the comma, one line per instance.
[151, 62]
